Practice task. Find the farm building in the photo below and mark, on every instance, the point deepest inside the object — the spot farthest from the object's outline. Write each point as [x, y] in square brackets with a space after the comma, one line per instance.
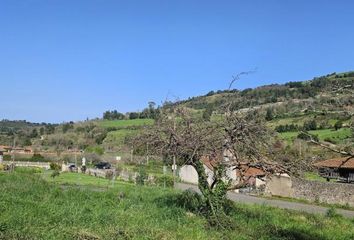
[341, 169]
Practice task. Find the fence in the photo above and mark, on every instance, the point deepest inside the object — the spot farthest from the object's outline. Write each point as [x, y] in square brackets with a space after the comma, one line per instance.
[45, 165]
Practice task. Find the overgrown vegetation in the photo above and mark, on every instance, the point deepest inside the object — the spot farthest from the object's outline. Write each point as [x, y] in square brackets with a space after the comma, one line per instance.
[32, 208]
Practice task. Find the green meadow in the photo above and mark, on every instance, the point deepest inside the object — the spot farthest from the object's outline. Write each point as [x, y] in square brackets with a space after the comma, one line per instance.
[125, 123]
[74, 206]
[323, 134]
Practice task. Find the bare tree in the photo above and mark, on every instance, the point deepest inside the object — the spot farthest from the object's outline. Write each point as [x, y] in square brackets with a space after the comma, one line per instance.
[190, 139]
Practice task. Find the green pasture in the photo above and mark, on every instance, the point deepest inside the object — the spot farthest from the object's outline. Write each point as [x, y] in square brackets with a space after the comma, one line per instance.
[125, 123]
[34, 206]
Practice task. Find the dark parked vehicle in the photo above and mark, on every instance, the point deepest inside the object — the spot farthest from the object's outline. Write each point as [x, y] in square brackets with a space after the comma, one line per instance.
[103, 165]
[72, 167]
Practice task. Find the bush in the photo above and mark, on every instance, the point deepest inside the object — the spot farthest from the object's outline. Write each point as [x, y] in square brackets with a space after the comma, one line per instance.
[37, 158]
[307, 136]
[164, 181]
[55, 166]
[2, 167]
[142, 176]
[332, 213]
[54, 174]
[190, 201]
[95, 149]
[109, 174]
[310, 125]
[338, 125]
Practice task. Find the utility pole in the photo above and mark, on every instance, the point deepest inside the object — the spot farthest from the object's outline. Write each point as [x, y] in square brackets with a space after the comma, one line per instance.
[147, 153]
[174, 155]
[13, 154]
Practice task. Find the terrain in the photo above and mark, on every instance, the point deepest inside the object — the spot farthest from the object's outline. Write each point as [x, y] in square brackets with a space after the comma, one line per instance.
[322, 106]
[75, 206]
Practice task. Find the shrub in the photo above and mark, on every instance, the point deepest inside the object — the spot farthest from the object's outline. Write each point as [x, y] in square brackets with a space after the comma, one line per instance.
[95, 149]
[54, 174]
[164, 181]
[190, 201]
[2, 167]
[338, 125]
[310, 125]
[142, 176]
[55, 166]
[37, 158]
[332, 213]
[109, 174]
[307, 136]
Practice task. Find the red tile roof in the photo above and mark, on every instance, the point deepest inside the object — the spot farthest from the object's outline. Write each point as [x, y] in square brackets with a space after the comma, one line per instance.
[252, 172]
[209, 162]
[345, 162]
[249, 171]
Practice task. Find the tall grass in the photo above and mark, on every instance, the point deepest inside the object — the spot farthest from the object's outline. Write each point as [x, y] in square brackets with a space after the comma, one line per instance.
[33, 208]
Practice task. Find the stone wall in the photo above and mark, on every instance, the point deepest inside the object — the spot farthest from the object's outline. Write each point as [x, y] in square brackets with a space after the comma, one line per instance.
[332, 193]
[313, 191]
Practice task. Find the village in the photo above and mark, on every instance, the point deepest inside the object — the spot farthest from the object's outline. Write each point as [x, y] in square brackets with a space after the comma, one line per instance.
[176, 120]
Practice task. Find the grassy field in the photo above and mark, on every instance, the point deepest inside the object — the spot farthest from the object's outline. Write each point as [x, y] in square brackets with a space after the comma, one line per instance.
[125, 123]
[32, 206]
[299, 120]
[118, 137]
[323, 134]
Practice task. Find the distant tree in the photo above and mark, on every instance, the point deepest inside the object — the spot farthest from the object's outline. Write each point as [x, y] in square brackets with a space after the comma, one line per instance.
[113, 115]
[34, 133]
[41, 131]
[207, 113]
[134, 115]
[27, 142]
[66, 127]
[269, 115]
[211, 93]
[49, 129]
[338, 125]
[307, 136]
[310, 125]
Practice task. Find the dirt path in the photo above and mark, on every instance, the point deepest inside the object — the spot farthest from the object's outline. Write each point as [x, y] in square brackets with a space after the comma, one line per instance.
[243, 198]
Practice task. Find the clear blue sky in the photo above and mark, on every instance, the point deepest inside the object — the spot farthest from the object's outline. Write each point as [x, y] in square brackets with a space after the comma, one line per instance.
[64, 60]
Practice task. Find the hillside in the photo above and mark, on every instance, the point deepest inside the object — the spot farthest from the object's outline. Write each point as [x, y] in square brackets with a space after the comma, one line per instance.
[332, 92]
[324, 106]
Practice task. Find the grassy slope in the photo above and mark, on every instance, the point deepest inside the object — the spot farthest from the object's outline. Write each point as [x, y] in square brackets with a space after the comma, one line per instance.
[338, 135]
[32, 208]
[125, 123]
[117, 137]
[126, 128]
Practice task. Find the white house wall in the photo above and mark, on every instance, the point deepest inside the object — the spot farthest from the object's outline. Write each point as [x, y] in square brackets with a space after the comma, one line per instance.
[188, 174]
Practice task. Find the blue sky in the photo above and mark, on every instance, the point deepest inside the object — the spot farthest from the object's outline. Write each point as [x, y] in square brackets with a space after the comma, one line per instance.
[64, 60]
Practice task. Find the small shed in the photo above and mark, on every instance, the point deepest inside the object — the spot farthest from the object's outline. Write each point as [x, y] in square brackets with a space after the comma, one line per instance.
[341, 169]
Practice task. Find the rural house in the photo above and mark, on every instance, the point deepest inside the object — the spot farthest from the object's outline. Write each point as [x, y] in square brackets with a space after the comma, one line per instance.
[253, 175]
[341, 169]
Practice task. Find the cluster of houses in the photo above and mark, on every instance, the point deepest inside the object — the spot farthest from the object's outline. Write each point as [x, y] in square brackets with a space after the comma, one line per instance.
[341, 169]
[9, 149]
